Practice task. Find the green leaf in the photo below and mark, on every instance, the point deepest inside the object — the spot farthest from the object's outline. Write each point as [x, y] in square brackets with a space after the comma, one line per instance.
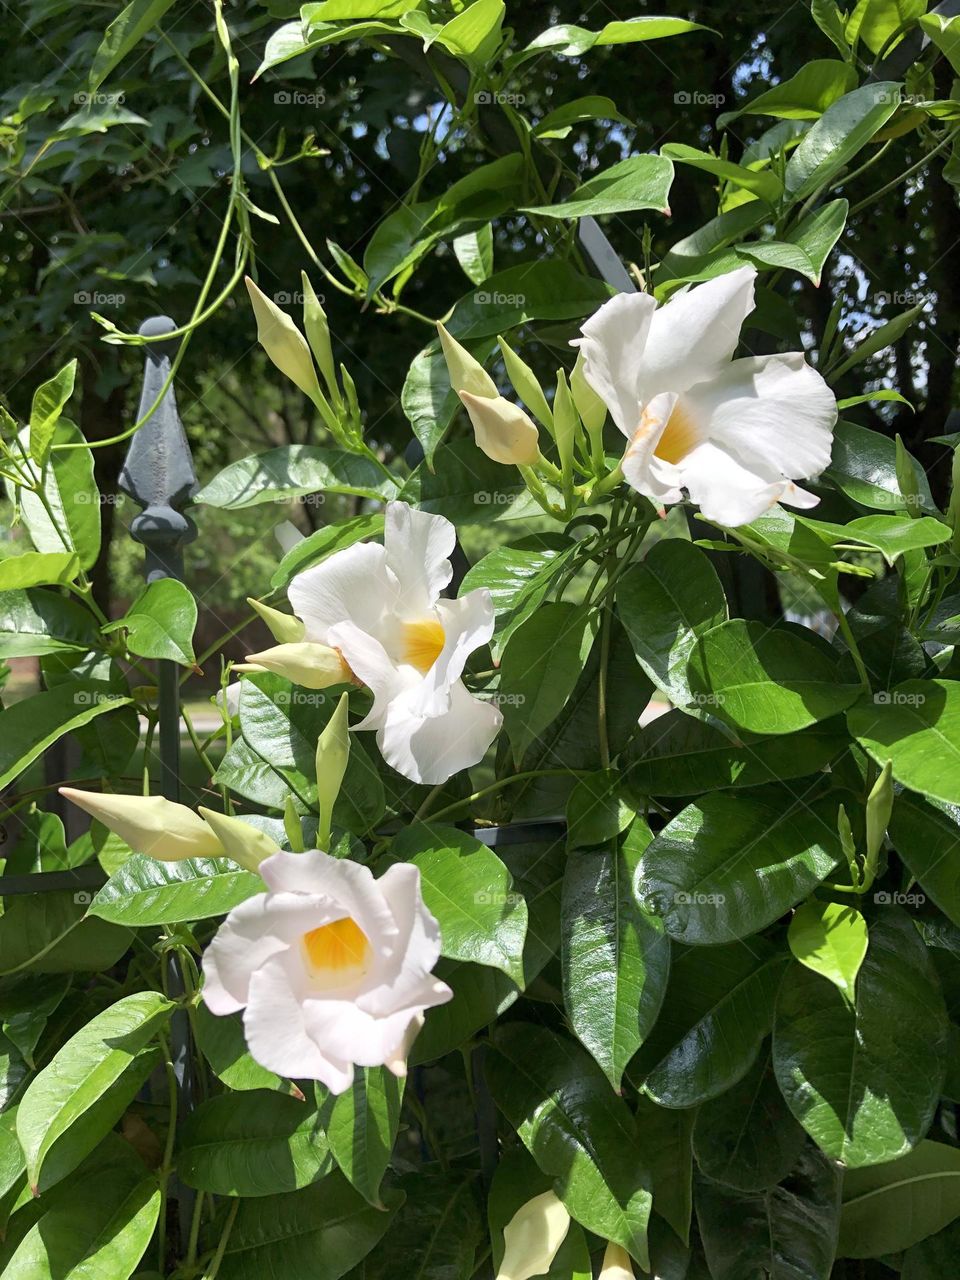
[293, 471]
[474, 251]
[160, 623]
[545, 290]
[123, 35]
[831, 940]
[47, 933]
[578, 1131]
[29, 727]
[320, 1231]
[807, 247]
[82, 1071]
[72, 522]
[464, 884]
[146, 891]
[881, 338]
[864, 1080]
[916, 726]
[641, 182]
[766, 681]
[805, 96]
[747, 1137]
[438, 1228]
[665, 1140]
[222, 1043]
[676, 755]
[48, 403]
[931, 1258]
[361, 1126]
[762, 183]
[518, 576]
[874, 21]
[516, 1181]
[571, 41]
[33, 623]
[717, 1011]
[99, 1223]
[944, 32]
[892, 536]
[842, 131]
[469, 488]
[615, 956]
[665, 603]
[927, 838]
[540, 666]
[252, 1144]
[892, 1206]
[559, 122]
[428, 400]
[322, 543]
[38, 569]
[790, 1230]
[864, 467]
[728, 865]
[475, 32]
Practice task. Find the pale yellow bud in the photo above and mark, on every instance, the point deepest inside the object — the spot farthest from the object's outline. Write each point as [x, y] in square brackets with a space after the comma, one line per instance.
[150, 824]
[333, 755]
[502, 430]
[589, 405]
[311, 665]
[466, 373]
[284, 343]
[239, 841]
[283, 626]
[616, 1264]
[533, 1236]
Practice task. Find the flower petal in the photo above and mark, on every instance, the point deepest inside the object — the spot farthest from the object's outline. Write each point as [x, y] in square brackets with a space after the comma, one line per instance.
[352, 584]
[371, 664]
[417, 949]
[725, 490]
[434, 748]
[275, 1027]
[776, 410]
[612, 348]
[695, 332]
[418, 547]
[467, 623]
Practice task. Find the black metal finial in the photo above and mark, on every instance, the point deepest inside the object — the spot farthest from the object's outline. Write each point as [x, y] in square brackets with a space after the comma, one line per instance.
[158, 471]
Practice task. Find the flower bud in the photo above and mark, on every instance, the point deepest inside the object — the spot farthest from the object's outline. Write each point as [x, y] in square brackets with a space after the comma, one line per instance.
[283, 626]
[533, 1236]
[333, 753]
[238, 840]
[466, 373]
[502, 430]
[318, 335]
[311, 665]
[616, 1264]
[150, 824]
[589, 405]
[526, 384]
[284, 343]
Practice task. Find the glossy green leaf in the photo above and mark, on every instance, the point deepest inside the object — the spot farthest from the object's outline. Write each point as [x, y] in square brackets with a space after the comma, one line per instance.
[146, 891]
[842, 131]
[717, 1011]
[615, 956]
[766, 681]
[48, 403]
[222, 1043]
[875, 22]
[252, 1144]
[864, 1080]
[808, 245]
[916, 726]
[747, 1137]
[892, 1206]
[516, 1181]
[160, 623]
[33, 623]
[927, 838]
[29, 727]
[474, 251]
[82, 1071]
[864, 467]
[361, 1126]
[559, 122]
[572, 41]
[540, 666]
[290, 472]
[830, 939]
[576, 1128]
[123, 35]
[70, 519]
[438, 1229]
[665, 603]
[518, 577]
[932, 1258]
[664, 1138]
[762, 183]
[320, 1231]
[38, 569]
[892, 535]
[728, 865]
[641, 182]
[482, 917]
[790, 1230]
[805, 96]
[324, 542]
[469, 488]
[48, 933]
[878, 340]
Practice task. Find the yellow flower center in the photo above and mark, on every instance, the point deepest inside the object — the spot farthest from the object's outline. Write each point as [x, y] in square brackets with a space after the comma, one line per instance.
[680, 436]
[422, 643]
[339, 950]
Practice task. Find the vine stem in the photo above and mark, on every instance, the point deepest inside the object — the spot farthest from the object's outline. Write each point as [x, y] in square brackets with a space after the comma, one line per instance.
[506, 782]
[215, 1261]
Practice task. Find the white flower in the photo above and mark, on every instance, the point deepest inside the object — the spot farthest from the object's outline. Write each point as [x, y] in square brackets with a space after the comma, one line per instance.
[330, 966]
[380, 607]
[734, 434]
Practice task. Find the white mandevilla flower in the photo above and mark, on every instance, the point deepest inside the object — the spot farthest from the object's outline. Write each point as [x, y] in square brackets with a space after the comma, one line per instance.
[331, 968]
[380, 607]
[735, 434]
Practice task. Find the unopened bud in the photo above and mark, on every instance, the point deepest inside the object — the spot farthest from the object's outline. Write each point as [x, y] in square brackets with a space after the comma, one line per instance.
[304, 662]
[616, 1264]
[466, 373]
[502, 430]
[533, 1236]
[240, 841]
[283, 626]
[151, 825]
[284, 343]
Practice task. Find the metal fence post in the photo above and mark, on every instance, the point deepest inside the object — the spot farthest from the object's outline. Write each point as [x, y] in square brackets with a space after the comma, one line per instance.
[158, 475]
